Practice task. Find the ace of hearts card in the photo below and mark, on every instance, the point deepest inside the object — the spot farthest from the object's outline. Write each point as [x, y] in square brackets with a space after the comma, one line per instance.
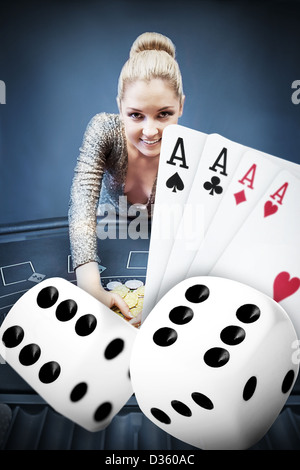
[265, 252]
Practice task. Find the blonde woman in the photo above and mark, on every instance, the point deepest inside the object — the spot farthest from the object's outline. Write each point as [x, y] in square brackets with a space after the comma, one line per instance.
[120, 153]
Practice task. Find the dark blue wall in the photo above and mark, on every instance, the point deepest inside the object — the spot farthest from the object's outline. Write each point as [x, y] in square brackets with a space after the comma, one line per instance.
[60, 61]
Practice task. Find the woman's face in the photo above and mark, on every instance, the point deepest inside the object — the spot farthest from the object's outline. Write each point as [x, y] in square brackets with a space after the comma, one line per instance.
[146, 109]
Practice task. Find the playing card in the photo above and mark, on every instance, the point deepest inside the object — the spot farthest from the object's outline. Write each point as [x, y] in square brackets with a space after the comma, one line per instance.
[265, 252]
[218, 162]
[251, 178]
[180, 154]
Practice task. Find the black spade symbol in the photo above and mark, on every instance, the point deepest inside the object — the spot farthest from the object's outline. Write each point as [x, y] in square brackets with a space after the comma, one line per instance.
[175, 183]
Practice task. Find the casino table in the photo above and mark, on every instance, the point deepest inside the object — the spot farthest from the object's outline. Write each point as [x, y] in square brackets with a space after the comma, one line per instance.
[32, 251]
[28, 257]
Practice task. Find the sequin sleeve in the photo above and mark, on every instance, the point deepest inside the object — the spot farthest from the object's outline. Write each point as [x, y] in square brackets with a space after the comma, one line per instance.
[97, 145]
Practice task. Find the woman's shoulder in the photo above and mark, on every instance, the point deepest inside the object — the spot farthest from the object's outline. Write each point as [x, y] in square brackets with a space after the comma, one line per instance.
[105, 120]
[106, 132]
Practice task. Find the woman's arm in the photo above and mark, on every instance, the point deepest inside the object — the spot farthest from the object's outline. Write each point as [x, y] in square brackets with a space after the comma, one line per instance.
[88, 279]
[84, 199]
[85, 191]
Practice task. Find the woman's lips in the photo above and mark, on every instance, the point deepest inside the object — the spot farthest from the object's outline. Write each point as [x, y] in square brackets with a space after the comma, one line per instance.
[150, 142]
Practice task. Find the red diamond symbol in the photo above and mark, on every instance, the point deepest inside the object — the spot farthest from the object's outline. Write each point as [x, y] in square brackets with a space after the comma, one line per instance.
[240, 197]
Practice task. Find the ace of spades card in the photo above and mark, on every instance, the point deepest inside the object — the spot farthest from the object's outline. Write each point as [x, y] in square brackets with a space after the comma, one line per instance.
[179, 157]
[265, 252]
[218, 162]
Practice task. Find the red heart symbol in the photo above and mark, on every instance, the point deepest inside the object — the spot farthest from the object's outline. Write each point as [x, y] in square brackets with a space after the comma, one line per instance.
[270, 208]
[284, 286]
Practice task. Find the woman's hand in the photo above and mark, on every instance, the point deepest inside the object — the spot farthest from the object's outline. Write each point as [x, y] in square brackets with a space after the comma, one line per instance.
[88, 279]
[136, 321]
[112, 299]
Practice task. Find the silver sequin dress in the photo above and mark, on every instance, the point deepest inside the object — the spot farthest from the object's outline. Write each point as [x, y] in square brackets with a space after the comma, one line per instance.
[99, 178]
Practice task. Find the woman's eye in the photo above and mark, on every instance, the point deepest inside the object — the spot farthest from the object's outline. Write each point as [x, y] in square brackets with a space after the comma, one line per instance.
[165, 114]
[135, 115]
[139, 116]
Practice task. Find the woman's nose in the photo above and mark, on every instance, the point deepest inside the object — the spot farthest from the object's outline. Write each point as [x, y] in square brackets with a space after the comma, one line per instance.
[150, 129]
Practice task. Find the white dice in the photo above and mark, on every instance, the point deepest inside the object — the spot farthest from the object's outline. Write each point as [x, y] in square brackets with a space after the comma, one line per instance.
[72, 350]
[213, 363]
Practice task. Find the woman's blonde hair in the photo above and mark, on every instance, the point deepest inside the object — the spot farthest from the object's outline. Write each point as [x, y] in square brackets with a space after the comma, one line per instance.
[152, 55]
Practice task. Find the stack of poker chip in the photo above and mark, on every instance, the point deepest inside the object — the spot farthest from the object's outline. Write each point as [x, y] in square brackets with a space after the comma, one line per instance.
[133, 294]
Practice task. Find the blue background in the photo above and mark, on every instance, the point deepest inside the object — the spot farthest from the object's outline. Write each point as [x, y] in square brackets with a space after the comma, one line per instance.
[60, 61]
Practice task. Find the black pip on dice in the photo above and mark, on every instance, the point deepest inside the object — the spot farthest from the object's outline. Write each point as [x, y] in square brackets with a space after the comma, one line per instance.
[213, 363]
[72, 350]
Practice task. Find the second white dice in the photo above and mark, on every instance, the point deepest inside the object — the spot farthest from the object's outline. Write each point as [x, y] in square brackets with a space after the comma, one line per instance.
[213, 363]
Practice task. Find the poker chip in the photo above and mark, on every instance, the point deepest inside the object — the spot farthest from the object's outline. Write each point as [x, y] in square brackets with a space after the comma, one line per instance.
[140, 291]
[135, 311]
[113, 284]
[133, 294]
[131, 299]
[133, 284]
[122, 290]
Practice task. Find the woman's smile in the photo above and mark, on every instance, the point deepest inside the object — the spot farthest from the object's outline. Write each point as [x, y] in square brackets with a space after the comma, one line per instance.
[151, 143]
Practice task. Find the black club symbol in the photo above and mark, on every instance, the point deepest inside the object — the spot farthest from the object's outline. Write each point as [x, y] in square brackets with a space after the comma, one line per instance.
[213, 186]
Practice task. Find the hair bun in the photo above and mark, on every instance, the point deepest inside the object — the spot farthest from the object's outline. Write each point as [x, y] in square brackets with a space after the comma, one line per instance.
[152, 41]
